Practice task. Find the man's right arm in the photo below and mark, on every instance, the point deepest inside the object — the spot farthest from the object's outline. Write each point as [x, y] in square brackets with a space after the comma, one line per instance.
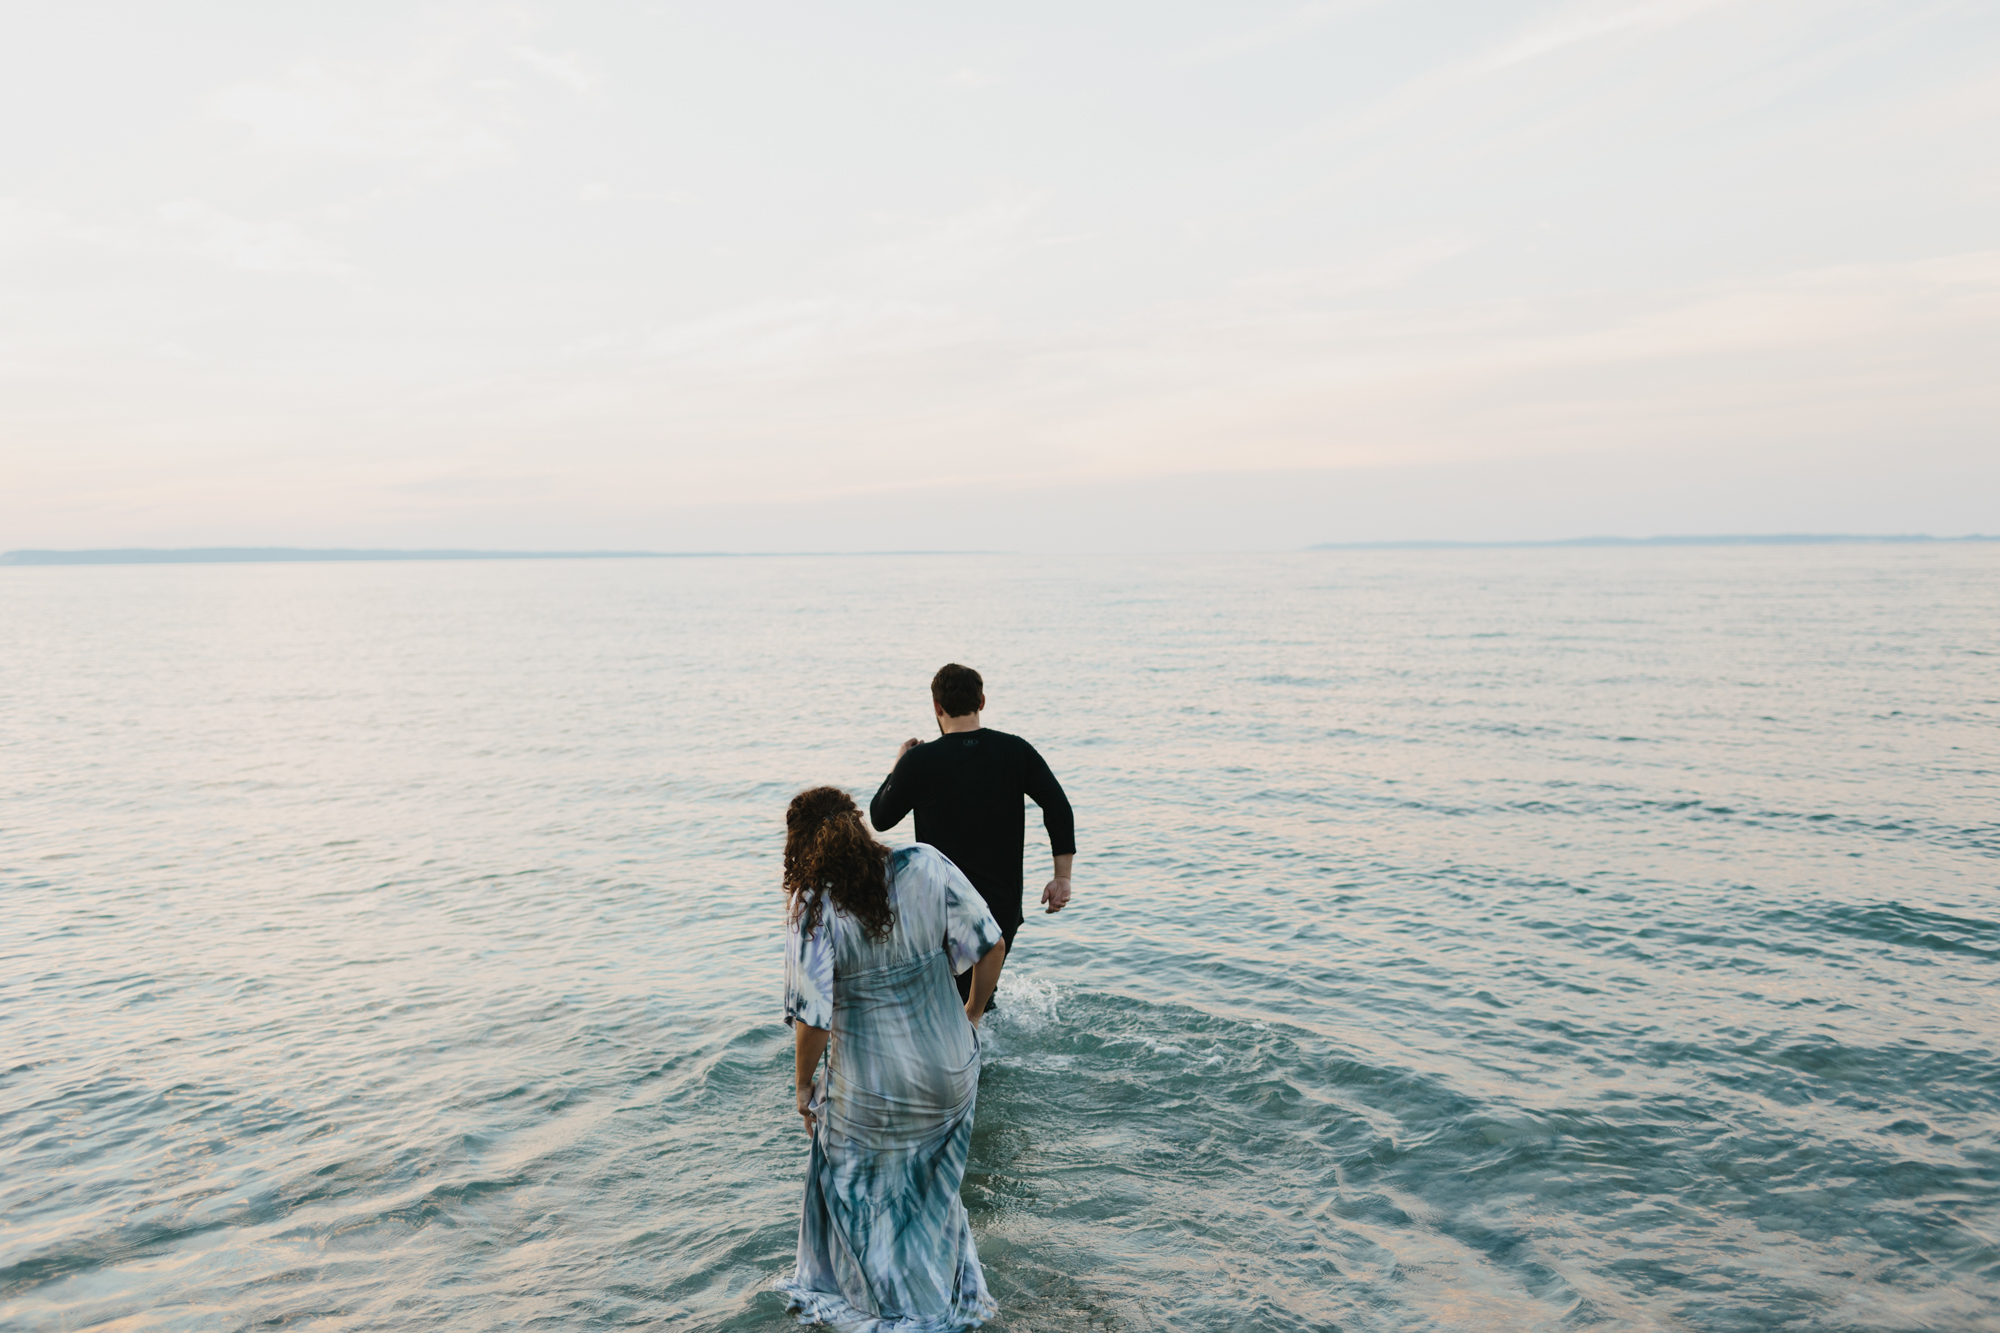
[897, 795]
[1042, 788]
[1060, 821]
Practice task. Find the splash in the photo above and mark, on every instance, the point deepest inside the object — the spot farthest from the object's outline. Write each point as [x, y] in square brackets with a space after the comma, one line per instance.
[1027, 1003]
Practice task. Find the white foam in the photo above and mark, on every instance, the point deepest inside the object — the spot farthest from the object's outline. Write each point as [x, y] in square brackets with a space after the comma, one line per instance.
[1027, 1003]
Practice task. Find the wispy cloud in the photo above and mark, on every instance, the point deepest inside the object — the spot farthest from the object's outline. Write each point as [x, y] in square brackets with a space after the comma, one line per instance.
[1467, 229]
[1974, 103]
[565, 69]
[968, 79]
[28, 224]
[378, 117]
[1549, 37]
[947, 250]
[1881, 303]
[801, 335]
[1372, 273]
[259, 247]
[850, 395]
[1587, 24]
[895, 299]
[181, 229]
[1287, 27]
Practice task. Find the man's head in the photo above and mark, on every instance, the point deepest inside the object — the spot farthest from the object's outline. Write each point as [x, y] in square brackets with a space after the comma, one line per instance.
[957, 691]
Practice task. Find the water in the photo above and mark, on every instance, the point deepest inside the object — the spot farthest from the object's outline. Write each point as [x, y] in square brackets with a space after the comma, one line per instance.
[1463, 940]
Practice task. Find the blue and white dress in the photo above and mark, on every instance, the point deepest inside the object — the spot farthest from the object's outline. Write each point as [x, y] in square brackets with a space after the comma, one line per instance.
[884, 1245]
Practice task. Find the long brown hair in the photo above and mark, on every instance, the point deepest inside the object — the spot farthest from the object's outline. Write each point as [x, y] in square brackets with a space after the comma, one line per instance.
[828, 847]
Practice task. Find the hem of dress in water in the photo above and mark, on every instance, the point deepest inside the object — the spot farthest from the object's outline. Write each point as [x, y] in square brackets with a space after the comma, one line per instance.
[835, 1311]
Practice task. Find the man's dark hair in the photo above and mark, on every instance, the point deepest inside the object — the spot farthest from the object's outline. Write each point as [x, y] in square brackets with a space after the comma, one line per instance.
[957, 689]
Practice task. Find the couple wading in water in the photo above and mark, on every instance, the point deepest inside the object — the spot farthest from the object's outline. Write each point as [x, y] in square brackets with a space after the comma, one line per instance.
[876, 937]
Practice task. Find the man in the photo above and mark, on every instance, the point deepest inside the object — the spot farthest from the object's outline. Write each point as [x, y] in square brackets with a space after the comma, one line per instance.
[966, 787]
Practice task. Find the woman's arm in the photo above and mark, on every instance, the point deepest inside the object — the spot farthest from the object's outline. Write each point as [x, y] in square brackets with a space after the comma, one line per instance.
[808, 1045]
[985, 976]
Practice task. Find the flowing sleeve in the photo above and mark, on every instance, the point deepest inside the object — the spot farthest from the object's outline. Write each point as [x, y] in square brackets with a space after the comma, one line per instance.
[809, 972]
[970, 932]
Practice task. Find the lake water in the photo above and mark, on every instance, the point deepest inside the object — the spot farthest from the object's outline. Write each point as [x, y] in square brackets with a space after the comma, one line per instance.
[1478, 940]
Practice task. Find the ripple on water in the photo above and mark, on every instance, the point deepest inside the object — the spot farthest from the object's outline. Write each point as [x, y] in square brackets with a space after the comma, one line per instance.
[1524, 940]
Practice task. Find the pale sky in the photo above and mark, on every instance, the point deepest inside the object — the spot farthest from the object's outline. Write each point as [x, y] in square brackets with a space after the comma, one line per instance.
[873, 276]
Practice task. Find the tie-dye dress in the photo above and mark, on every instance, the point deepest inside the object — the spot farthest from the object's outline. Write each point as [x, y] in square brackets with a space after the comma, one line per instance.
[884, 1245]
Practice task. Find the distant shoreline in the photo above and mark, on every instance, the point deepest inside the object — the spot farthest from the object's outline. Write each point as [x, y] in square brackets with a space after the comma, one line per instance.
[285, 555]
[1742, 539]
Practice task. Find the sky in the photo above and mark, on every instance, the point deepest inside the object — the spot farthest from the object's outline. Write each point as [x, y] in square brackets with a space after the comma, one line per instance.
[1030, 277]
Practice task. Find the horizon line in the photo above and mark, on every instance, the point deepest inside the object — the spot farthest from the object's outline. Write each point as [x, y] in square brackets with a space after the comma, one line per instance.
[202, 555]
[1720, 539]
[244, 555]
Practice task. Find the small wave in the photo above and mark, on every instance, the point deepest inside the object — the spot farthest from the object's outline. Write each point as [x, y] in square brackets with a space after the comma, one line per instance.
[1916, 927]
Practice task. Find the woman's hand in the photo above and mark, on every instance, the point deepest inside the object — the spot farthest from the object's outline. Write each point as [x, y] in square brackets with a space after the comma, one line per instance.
[805, 1109]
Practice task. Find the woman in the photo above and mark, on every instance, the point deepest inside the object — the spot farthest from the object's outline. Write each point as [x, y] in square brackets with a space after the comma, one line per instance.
[876, 936]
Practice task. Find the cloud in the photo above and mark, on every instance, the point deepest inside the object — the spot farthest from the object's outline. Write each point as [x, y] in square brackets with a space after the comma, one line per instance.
[852, 396]
[952, 249]
[1890, 308]
[1578, 26]
[564, 69]
[181, 229]
[1577, 230]
[28, 224]
[1976, 103]
[396, 119]
[1585, 25]
[1292, 24]
[792, 336]
[864, 316]
[1378, 272]
[260, 247]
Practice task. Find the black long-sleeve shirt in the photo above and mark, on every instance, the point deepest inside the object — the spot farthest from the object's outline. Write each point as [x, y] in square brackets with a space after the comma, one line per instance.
[966, 787]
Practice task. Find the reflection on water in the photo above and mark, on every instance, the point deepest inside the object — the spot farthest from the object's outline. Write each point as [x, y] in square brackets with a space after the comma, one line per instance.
[1467, 940]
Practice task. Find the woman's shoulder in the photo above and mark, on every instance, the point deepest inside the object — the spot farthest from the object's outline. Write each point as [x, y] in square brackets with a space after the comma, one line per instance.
[920, 857]
[914, 855]
[797, 911]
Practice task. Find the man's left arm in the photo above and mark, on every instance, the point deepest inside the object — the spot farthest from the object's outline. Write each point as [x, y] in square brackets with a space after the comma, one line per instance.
[896, 796]
[1060, 822]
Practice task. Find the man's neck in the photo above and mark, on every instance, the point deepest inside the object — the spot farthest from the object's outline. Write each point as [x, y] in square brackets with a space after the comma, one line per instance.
[949, 725]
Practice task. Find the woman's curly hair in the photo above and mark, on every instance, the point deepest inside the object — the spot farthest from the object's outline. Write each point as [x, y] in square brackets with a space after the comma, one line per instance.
[827, 847]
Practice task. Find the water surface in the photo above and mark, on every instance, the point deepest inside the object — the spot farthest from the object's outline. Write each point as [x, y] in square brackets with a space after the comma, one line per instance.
[1463, 940]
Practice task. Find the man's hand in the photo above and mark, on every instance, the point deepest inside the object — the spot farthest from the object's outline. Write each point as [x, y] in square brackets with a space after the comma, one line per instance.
[1056, 896]
[908, 746]
[805, 1109]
